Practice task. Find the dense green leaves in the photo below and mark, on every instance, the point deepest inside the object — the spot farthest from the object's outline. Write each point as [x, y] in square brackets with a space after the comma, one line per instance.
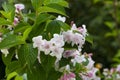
[60, 2]
[56, 26]
[4, 22]
[36, 3]
[12, 66]
[11, 41]
[27, 55]
[51, 9]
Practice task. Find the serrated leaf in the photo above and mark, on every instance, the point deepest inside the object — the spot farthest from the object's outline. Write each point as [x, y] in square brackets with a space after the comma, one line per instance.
[27, 55]
[36, 3]
[45, 9]
[37, 73]
[21, 27]
[12, 67]
[9, 15]
[11, 41]
[60, 2]
[4, 22]
[39, 25]
[47, 62]
[56, 26]
[7, 7]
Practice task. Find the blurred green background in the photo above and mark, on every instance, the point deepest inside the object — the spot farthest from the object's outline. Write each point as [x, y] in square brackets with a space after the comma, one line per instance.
[102, 18]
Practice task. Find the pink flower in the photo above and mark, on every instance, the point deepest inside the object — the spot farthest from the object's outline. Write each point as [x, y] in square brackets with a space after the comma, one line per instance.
[90, 64]
[68, 53]
[69, 76]
[16, 21]
[19, 7]
[118, 68]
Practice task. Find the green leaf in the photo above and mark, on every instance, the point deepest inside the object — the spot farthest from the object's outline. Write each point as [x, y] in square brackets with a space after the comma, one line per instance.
[27, 55]
[39, 26]
[18, 77]
[11, 41]
[4, 22]
[21, 27]
[54, 75]
[55, 9]
[47, 62]
[63, 25]
[8, 7]
[12, 67]
[60, 2]
[56, 26]
[31, 16]
[89, 39]
[37, 73]
[36, 3]
[9, 15]
[8, 59]
[52, 28]
[42, 18]
[110, 25]
[11, 75]
[26, 33]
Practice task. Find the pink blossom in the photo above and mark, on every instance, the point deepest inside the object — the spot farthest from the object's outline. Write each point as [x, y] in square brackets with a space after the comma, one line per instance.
[19, 7]
[69, 76]
[90, 64]
[118, 68]
[16, 21]
[68, 53]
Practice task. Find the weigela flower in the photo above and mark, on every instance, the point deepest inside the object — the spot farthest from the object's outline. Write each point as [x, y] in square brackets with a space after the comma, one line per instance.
[57, 40]
[16, 21]
[19, 7]
[68, 53]
[68, 76]
[90, 74]
[78, 59]
[90, 64]
[60, 18]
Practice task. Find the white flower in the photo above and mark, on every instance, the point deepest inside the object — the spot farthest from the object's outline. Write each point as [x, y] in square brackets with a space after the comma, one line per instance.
[83, 30]
[78, 59]
[68, 36]
[19, 7]
[57, 52]
[37, 42]
[78, 39]
[90, 64]
[5, 51]
[57, 40]
[46, 47]
[60, 18]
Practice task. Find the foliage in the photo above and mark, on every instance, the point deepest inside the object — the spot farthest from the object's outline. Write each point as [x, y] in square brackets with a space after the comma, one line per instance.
[35, 43]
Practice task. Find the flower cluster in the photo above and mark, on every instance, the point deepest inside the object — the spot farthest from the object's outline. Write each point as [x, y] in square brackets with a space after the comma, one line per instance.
[79, 64]
[112, 74]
